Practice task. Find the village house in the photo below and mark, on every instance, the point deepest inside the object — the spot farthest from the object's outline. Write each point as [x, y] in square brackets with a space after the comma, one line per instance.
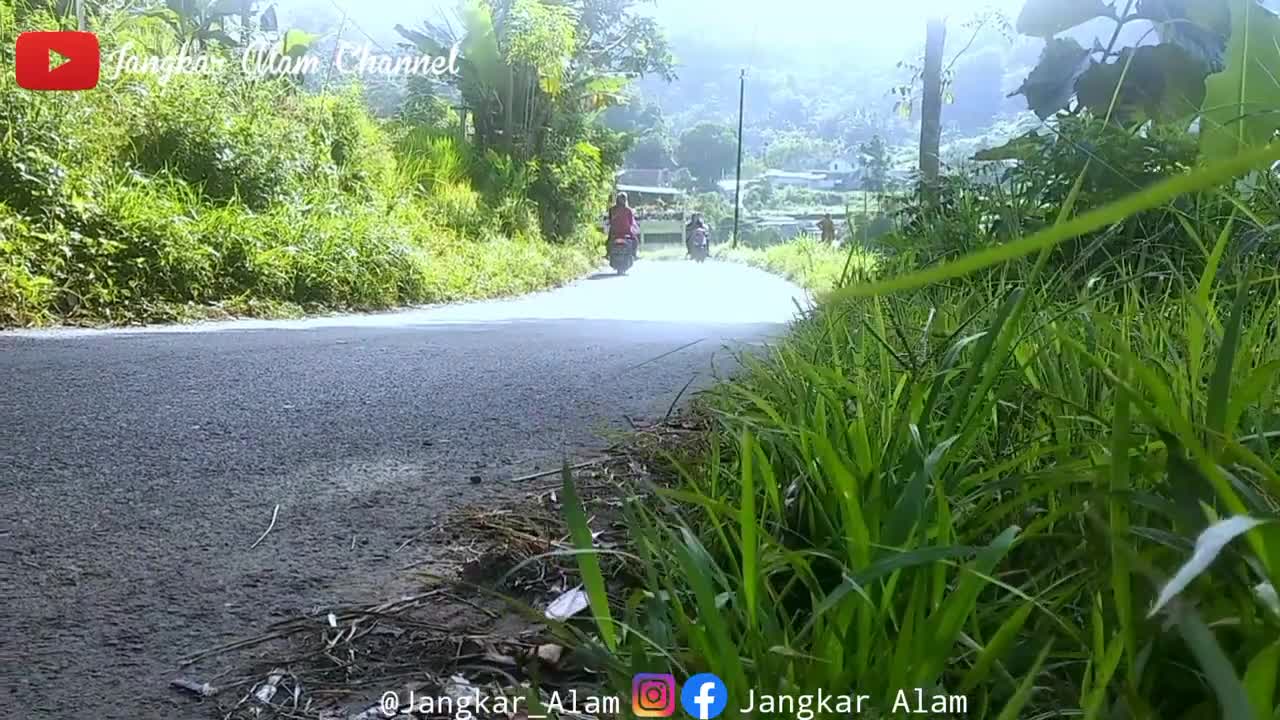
[836, 175]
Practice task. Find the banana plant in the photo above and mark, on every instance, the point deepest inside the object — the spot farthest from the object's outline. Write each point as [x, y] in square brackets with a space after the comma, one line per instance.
[516, 69]
[205, 22]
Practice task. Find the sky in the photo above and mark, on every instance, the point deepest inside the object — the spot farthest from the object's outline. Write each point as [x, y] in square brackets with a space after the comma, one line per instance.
[874, 26]
[833, 36]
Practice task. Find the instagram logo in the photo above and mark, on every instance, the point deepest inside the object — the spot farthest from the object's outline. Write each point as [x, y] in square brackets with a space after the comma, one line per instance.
[653, 695]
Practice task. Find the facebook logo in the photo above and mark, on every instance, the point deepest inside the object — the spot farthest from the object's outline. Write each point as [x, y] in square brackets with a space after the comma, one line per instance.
[704, 696]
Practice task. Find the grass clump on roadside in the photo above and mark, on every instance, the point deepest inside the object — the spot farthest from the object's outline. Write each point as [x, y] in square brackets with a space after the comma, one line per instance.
[1037, 480]
[807, 261]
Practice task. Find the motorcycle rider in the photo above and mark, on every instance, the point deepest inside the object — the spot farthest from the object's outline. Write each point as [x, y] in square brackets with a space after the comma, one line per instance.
[695, 223]
[622, 221]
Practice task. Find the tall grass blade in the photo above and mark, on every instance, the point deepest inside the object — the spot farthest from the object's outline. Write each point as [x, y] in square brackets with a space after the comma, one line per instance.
[1232, 699]
[588, 562]
[1208, 546]
[1220, 384]
[996, 648]
[1152, 197]
[722, 652]
[747, 524]
[1260, 681]
[1013, 709]
[946, 623]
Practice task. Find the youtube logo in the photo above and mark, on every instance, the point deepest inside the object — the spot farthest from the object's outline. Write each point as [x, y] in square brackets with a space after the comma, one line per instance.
[58, 60]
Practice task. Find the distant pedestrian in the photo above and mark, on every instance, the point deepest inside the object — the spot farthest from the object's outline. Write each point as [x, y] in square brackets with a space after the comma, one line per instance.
[828, 228]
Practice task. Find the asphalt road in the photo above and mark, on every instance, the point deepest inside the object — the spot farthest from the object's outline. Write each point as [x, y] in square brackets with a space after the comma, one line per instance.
[138, 466]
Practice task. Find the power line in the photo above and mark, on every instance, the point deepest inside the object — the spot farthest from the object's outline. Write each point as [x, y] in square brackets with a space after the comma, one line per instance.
[347, 18]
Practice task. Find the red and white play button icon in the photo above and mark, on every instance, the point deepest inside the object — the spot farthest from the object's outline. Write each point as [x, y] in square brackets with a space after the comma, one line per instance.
[58, 60]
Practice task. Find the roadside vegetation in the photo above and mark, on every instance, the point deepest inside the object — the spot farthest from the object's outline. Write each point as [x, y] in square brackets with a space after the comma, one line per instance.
[1033, 461]
[217, 194]
[807, 261]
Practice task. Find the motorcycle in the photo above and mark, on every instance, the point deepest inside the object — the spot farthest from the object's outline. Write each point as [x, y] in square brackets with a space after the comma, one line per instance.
[699, 248]
[622, 254]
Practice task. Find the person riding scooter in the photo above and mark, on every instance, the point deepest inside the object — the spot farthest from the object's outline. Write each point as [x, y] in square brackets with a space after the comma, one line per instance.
[695, 224]
[622, 222]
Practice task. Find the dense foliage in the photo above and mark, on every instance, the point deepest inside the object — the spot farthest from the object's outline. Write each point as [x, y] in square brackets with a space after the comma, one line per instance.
[157, 198]
[535, 76]
[708, 151]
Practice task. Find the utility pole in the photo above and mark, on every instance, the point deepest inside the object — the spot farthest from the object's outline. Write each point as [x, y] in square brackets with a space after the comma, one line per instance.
[737, 184]
[81, 23]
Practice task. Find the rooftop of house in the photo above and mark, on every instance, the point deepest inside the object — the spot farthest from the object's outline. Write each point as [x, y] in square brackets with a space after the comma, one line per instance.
[730, 184]
[650, 190]
[788, 175]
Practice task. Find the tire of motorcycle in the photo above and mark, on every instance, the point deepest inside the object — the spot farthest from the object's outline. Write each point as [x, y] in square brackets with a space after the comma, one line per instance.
[621, 263]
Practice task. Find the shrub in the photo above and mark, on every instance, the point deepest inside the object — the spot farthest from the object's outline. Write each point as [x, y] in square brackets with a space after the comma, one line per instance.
[424, 108]
[456, 206]
[231, 141]
[353, 142]
[26, 296]
[574, 176]
[429, 160]
[157, 201]
[922, 492]
[972, 210]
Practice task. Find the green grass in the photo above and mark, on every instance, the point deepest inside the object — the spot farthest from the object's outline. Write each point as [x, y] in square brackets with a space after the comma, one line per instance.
[285, 260]
[976, 479]
[806, 261]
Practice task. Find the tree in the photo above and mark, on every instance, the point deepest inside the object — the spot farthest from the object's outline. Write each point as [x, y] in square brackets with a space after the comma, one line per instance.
[931, 104]
[1216, 60]
[801, 151]
[523, 61]
[613, 38]
[875, 163]
[635, 117]
[936, 79]
[207, 23]
[652, 146]
[708, 150]
[652, 151]
[534, 77]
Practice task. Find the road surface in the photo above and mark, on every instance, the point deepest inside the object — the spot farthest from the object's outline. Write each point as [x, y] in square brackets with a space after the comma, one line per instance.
[138, 466]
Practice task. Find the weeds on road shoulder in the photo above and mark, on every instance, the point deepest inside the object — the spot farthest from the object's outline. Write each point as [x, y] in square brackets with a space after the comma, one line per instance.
[807, 261]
